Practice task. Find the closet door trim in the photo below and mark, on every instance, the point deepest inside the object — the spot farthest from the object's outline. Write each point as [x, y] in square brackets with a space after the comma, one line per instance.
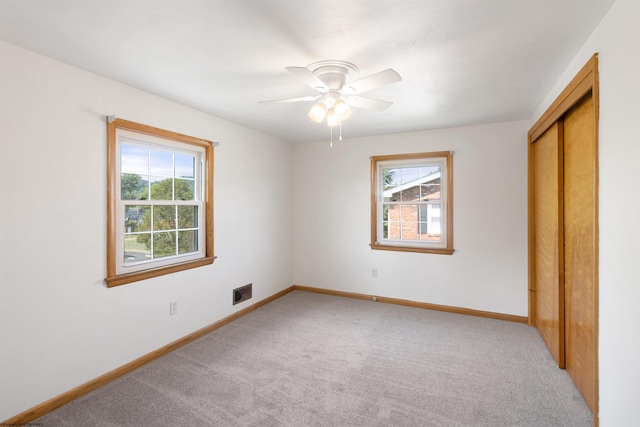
[585, 82]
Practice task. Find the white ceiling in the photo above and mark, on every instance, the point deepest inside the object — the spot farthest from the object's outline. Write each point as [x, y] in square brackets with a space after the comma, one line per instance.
[463, 62]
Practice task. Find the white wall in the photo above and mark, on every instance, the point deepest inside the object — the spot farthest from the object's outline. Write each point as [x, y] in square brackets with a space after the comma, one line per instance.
[617, 40]
[59, 325]
[488, 270]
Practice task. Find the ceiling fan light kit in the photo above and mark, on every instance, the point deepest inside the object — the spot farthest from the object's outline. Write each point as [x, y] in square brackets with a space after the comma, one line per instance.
[318, 112]
[333, 108]
[334, 80]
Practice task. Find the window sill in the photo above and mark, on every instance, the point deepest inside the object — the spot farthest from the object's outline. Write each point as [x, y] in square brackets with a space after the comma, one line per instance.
[440, 251]
[122, 279]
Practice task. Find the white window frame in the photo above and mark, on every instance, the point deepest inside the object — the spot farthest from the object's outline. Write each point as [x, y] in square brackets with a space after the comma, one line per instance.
[124, 136]
[442, 159]
[121, 132]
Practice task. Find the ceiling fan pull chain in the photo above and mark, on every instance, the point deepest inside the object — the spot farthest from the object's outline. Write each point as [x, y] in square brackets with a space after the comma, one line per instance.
[340, 137]
[331, 137]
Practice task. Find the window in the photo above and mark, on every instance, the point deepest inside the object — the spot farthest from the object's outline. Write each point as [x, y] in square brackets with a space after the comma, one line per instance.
[160, 202]
[411, 202]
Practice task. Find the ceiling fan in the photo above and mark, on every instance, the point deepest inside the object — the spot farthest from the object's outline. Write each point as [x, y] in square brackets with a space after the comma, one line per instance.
[337, 90]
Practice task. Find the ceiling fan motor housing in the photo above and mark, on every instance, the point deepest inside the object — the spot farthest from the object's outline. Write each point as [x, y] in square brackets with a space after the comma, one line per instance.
[332, 73]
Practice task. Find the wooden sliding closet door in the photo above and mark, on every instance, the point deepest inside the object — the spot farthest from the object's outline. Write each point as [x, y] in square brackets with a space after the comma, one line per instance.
[563, 230]
[580, 257]
[546, 157]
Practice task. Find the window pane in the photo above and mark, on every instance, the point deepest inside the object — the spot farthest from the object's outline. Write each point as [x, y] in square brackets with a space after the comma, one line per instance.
[409, 213]
[187, 241]
[430, 191]
[429, 170]
[187, 217]
[394, 216]
[161, 188]
[184, 189]
[430, 225]
[185, 166]
[161, 163]
[411, 183]
[391, 177]
[134, 160]
[409, 230]
[133, 187]
[135, 248]
[385, 212]
[430, 183]
[410, 194]
[409, 174]
[409, 226]
[164, 244]
[390, 180]
[164, 218]
[422, 230]
[137, 219]
[395, 230]
[434, 221]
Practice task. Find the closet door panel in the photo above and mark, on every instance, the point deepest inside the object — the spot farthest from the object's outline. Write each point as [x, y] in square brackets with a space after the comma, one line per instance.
[580, 213]
[547, 222]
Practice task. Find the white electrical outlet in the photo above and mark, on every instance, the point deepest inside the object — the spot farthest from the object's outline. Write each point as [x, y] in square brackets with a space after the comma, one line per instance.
[173, 308]
[374, 273]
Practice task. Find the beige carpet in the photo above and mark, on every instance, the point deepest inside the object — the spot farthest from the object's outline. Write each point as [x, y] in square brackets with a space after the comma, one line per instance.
[316, 360]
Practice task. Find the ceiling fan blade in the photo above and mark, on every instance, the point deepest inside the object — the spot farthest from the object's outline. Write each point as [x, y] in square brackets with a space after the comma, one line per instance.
[368, 103]
[300, 99]
[373, 81]
[308, 77]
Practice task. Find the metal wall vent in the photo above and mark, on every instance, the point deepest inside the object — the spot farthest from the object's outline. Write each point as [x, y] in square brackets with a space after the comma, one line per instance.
[242, 293]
